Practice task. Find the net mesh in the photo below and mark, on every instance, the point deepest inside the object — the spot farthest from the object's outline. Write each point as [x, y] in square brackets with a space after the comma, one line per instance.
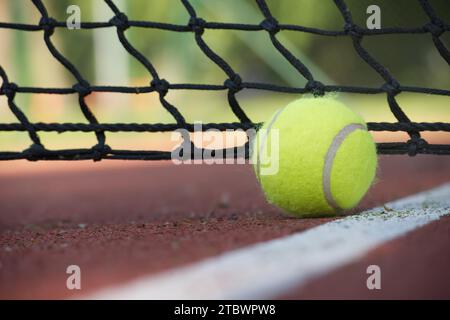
[435, 27]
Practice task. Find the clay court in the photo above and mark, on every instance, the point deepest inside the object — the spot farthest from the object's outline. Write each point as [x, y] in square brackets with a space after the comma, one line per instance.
[127, 221]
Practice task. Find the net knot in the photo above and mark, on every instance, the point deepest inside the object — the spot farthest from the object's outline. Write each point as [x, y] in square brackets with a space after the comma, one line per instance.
[392, 88]
[34, 152]
[271, 25]
[317, 88]
[353, 30]
[161, 86]
[234, 84]
[120, 21]
[9, 89]
[100, 151]
[436, 28]
[83, 88]
[48, 25]
[197, 25]
[414, 145]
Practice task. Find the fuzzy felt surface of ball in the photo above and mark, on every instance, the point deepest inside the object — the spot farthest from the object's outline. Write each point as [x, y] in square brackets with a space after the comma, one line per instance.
[314, 157]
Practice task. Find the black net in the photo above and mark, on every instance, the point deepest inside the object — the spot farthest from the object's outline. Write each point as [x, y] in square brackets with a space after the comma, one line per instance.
[234, 84]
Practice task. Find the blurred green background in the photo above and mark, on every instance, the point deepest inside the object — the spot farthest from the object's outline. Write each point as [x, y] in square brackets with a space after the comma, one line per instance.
[101, 59]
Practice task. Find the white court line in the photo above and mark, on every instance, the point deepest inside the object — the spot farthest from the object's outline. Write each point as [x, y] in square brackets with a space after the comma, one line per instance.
[266, 269]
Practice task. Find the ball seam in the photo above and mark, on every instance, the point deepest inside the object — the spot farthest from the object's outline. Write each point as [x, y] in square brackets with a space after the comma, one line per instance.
[338, 139]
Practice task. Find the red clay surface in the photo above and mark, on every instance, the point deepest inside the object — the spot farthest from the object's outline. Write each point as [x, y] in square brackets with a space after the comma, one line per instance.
[416, 266]
[125, 221]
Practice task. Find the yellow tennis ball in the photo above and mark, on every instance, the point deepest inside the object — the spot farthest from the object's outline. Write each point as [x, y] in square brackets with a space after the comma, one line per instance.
[314, 157]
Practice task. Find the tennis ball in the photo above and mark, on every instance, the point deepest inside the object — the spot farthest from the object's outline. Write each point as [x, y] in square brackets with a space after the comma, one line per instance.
[314, 157]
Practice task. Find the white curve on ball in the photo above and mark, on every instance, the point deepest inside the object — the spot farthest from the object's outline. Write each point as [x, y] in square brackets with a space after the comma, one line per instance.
[329, 160]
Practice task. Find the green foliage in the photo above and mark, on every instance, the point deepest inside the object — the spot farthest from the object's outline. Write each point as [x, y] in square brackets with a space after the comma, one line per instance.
[411, 59]
[75, 45]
